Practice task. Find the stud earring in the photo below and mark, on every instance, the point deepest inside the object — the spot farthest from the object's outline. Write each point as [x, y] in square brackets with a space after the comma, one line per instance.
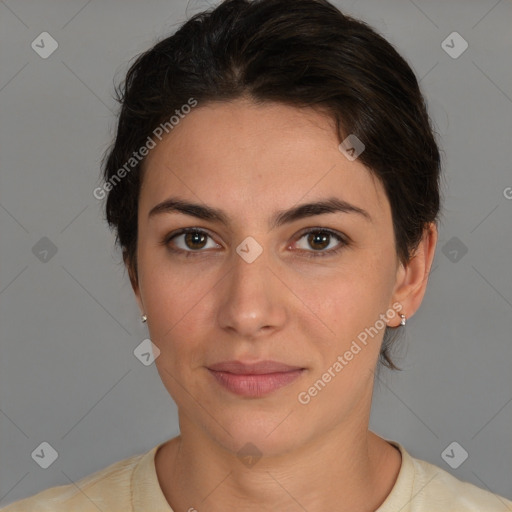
[403, 319]
[144, 319]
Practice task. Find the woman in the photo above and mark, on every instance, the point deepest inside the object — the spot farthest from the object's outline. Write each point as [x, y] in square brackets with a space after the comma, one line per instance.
[274, 187]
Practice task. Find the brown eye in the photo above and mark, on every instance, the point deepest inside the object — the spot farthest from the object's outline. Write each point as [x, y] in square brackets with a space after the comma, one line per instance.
[321, 242]
[190, 240]
[195, 240]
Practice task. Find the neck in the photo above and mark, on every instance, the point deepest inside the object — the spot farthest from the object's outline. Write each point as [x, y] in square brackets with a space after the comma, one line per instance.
[354, 469]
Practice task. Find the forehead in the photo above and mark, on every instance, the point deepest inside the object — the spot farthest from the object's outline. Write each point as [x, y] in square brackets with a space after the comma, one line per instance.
[239, 155]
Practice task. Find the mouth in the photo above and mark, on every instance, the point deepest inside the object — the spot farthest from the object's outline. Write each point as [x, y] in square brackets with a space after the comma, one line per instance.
[254, 380]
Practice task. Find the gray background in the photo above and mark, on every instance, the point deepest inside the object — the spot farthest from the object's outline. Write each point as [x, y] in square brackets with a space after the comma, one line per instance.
[69, 322]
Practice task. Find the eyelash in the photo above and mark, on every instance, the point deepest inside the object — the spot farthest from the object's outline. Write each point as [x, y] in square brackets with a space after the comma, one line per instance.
[309, 254]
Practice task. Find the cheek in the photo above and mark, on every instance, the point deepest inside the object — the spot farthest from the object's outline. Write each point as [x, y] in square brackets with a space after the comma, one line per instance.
[174, 299]
[350, 305]
[176, 303]
[351, 299]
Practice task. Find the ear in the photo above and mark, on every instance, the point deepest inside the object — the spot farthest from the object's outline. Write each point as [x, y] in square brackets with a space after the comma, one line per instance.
[412, 278]
[131, 267]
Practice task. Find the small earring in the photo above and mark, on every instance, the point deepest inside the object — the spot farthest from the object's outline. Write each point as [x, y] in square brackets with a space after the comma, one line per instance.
[403, 319]
[144, 319]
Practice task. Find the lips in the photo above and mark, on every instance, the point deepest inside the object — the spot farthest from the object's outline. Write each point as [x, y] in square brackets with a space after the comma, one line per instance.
[254, 380]
[258, 368]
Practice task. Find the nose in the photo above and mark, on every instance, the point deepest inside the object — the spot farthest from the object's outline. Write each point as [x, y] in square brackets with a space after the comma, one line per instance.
[252, 300]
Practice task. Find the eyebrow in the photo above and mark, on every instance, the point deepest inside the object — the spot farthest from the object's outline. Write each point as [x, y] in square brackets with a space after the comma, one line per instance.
[329, 205]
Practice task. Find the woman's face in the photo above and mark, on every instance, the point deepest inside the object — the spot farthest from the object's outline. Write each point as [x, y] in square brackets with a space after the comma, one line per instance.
[257, 284]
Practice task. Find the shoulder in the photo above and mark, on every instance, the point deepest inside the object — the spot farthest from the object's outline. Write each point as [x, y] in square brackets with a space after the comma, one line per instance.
[106, 489]
[442, 489]
[432, 488]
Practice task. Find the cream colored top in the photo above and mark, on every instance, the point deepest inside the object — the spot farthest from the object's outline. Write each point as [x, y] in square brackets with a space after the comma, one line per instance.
[131, 485]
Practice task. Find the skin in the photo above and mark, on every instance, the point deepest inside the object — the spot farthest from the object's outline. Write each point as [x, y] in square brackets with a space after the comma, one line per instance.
[250, 161]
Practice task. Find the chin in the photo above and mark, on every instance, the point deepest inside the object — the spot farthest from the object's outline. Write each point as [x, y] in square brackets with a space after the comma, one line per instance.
[265, 433]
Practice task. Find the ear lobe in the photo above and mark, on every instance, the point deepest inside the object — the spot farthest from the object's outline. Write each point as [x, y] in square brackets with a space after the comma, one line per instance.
[412, 278]
[134, 280]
